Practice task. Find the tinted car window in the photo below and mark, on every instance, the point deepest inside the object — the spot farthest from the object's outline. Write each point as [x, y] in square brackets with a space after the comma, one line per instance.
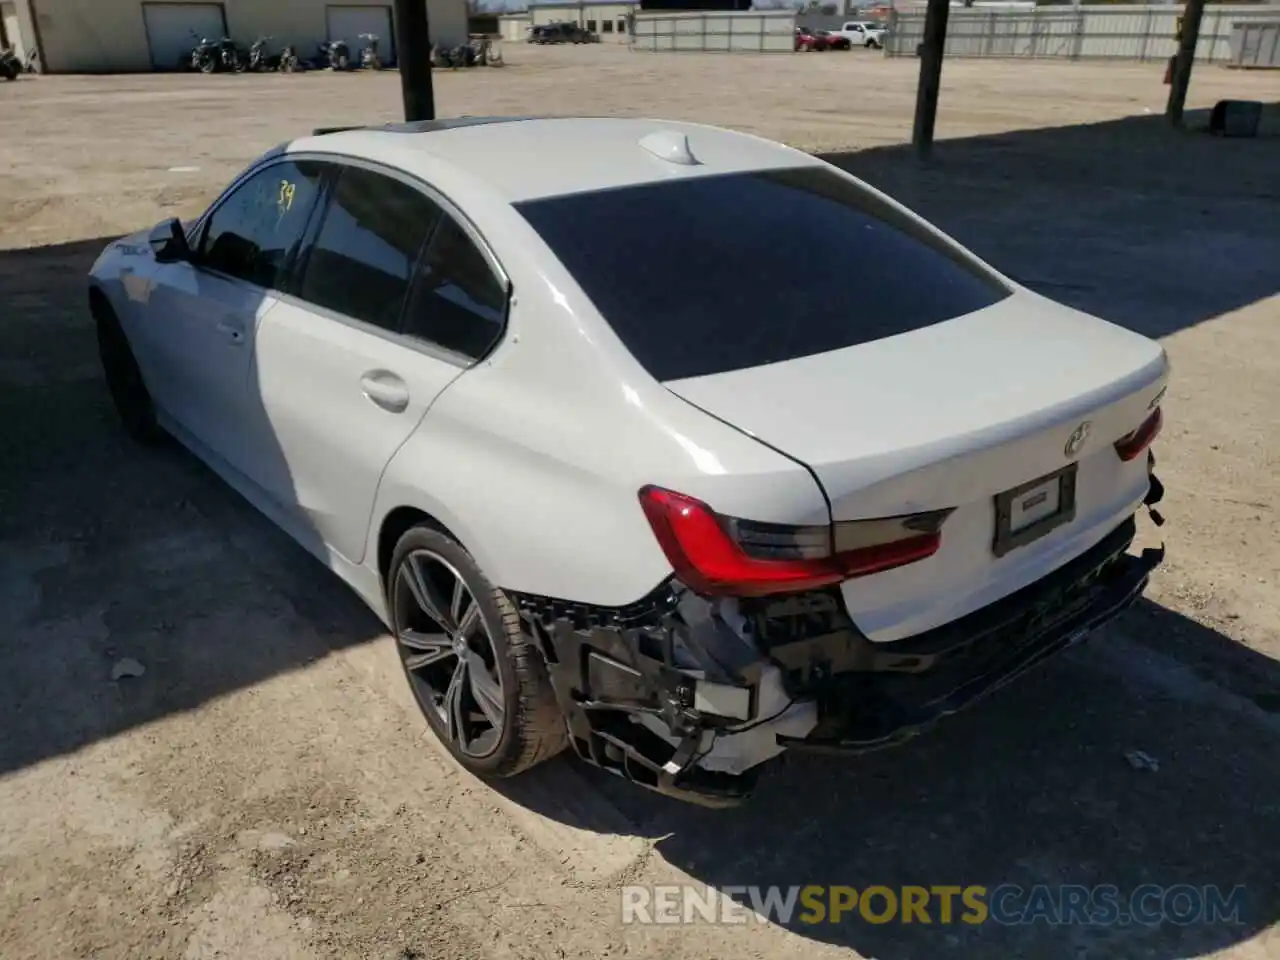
[363, 257]
[710, 274]
[253, 233]
[458, 301]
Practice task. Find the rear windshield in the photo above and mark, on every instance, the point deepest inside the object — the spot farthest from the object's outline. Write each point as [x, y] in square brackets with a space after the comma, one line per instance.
[710, 274]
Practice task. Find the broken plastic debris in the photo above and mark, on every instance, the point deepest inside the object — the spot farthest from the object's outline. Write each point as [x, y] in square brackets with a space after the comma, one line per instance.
[1142, 761]
[127, 667]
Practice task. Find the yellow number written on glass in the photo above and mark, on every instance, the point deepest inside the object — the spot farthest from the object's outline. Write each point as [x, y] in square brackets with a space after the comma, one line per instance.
[285, 200]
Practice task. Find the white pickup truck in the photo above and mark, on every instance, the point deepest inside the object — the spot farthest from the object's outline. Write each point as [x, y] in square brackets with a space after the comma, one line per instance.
[864, 33]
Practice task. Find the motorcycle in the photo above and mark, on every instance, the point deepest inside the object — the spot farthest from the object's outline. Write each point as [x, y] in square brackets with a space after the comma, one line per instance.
[11, 66]
[231, 57]
[463, 55]
[212, 56]
[335, 54]
[369, 58]
[204, 55]
[289, 62]
[259, 60]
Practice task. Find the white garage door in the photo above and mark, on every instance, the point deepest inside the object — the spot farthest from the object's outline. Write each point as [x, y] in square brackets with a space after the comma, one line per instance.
[170, 25]
[347, 23]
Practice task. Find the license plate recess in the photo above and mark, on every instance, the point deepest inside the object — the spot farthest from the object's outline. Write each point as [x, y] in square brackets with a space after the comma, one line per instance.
[1032, 509]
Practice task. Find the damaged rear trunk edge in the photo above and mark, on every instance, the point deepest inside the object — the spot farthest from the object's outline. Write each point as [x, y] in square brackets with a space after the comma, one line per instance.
[689, 696]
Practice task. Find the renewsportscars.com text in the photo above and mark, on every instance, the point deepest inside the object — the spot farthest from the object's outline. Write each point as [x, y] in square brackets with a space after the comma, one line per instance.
[1007, 904]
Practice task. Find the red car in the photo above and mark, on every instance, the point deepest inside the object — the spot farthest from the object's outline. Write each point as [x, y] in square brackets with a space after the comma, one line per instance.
[834, 40]
[807, 40]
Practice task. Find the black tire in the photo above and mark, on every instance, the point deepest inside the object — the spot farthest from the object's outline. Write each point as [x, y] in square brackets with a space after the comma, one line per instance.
[208, 65]
[128, 391]
[532, 728]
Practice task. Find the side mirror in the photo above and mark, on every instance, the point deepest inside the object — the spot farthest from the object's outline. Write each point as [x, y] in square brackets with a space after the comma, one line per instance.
[169, 242]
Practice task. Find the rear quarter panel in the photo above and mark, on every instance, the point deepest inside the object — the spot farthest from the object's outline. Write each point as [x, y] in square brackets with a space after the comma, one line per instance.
[534, 457]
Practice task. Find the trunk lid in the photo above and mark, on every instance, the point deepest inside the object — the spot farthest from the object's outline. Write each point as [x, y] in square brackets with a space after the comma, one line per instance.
[952, 415]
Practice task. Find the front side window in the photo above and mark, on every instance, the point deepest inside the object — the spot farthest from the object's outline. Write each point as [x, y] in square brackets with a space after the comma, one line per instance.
[707, 274]
[458, 302]
[254, 232]
[363, 258]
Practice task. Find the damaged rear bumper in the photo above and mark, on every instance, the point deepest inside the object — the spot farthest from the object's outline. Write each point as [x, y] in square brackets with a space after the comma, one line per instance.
[932, 675]
[689, 697]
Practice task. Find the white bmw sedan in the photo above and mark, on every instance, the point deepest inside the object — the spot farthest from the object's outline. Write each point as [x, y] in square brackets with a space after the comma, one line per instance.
[561, 401]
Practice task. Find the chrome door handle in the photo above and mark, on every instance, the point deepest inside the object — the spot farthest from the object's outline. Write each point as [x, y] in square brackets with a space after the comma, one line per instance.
[385, 389]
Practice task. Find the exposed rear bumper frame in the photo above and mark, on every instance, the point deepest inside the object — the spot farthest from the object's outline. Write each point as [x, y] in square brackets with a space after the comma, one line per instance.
[613, 666]
[964, 661]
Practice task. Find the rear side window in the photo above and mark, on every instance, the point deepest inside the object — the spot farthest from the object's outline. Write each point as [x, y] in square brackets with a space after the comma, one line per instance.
[458, 302]
[364, 255]
[710, 274]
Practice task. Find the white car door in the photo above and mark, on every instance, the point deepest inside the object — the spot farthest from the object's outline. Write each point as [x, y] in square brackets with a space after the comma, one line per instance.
[197, 332]
[394, 299]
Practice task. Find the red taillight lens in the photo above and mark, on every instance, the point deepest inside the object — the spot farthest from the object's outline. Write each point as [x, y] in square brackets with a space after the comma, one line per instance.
[1132, 444]
[724, 556]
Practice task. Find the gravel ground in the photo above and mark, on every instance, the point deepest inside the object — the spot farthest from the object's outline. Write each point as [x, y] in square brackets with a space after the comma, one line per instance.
[265, 788]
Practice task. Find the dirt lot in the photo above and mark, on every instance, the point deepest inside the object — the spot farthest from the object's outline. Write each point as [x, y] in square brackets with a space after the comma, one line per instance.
[265, 790]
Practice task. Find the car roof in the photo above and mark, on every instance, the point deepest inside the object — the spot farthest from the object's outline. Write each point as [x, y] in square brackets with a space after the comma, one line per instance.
[525, 158]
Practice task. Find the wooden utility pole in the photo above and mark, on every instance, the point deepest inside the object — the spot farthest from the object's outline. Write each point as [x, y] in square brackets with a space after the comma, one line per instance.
[413, 51]
[1188, 35]
[935, 39]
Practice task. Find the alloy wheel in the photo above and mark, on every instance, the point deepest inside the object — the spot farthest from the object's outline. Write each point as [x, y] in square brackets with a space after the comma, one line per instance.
[448, 653]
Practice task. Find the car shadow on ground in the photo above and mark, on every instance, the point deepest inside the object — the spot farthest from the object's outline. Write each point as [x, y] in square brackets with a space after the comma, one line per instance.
[111, 552]
[1143, 225]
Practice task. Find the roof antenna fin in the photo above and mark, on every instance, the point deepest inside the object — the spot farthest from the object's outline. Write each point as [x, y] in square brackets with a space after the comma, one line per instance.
[670, 146]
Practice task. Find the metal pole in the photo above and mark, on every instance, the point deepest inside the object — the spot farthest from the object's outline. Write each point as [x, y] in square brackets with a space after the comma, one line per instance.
[934, 40]
[1186, 56]
[413, 51]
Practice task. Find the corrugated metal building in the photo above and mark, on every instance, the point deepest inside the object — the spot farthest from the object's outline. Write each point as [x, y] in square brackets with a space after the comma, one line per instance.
[99, 36]
[608, 18]
[514, 27]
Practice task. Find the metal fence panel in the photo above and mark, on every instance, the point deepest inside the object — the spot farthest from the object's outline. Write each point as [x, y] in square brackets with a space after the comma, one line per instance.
[1255, 44]
[756, 31]
[1085, 32]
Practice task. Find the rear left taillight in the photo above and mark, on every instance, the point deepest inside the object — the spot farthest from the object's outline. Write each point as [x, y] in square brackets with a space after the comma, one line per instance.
[715, 555]
[1132, 444]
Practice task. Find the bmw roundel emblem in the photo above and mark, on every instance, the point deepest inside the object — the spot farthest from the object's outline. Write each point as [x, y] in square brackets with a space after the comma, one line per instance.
[1078, 436]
